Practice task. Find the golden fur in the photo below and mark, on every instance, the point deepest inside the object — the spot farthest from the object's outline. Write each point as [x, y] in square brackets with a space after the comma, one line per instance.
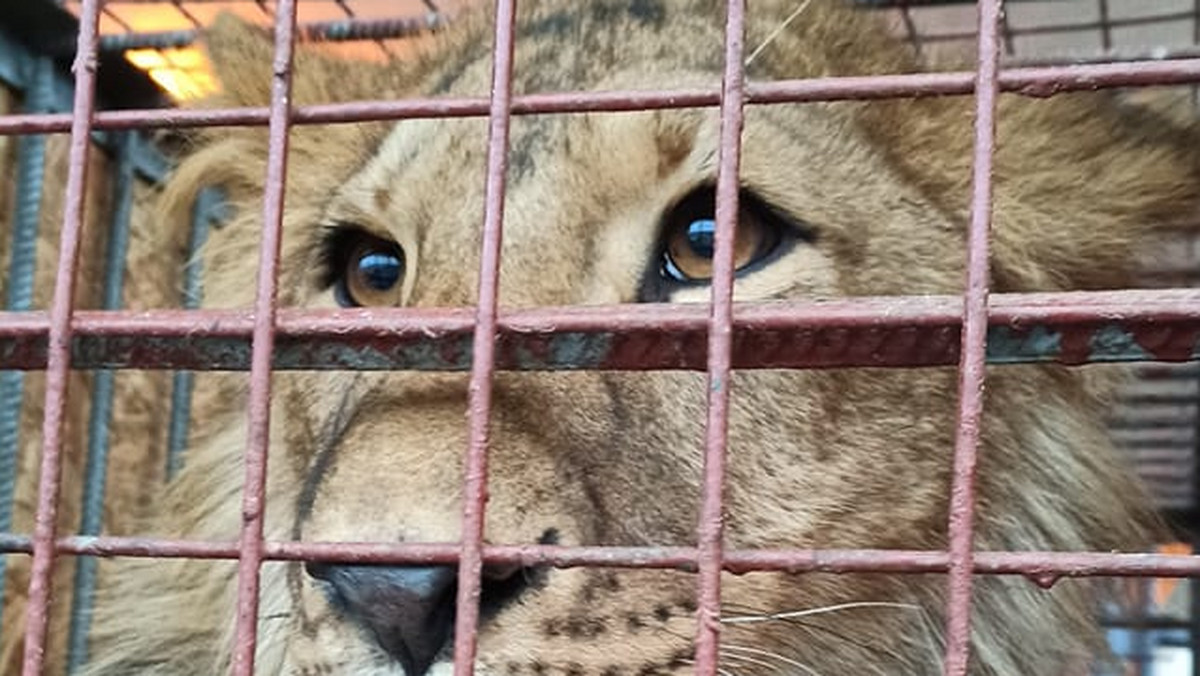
[844, 458]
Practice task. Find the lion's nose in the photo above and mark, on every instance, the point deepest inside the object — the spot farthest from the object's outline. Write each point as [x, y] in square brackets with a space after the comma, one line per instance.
[409, 610]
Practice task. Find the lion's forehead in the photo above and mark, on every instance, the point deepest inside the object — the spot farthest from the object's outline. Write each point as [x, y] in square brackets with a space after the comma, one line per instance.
[574, 182]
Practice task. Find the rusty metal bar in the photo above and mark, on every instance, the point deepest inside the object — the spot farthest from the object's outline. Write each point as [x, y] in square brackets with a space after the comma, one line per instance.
[1038, 82]
[342, 30]
[1069, 328]
[710, 529]
[58, 358]
[483, 360]
[974, 347]
[1043, 568]
[259, 400]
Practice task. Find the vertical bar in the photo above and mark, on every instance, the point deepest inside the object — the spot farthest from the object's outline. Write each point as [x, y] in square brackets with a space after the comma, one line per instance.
[182, 383]
[58, 359]
[96, 470]
[1006, 32]
[1196, 21]
[483, 364]
[1105, 27]
[254, 489]
[1137, 629]
[910, 27]
[710, 530]
[204, 215]
[1193, 620]
[1196, 87]
[192, 18]
[31, 166]
[974, 343]
[1193, 533]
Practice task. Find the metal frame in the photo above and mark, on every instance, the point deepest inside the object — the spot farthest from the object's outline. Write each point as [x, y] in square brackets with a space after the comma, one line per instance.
[1070, 328]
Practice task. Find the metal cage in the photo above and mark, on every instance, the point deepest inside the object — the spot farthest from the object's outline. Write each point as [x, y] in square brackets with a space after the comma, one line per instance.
[968, 330]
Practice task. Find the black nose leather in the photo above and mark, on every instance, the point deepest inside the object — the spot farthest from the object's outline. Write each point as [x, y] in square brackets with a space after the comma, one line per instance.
[409, 610]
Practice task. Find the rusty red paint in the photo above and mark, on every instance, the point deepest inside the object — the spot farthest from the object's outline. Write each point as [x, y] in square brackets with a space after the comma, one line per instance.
[710, 531]
[974, 347]
[262, 346]
[58, 356]
[1167, 344]
[1077, 347]
[483, 365]
[883, 331]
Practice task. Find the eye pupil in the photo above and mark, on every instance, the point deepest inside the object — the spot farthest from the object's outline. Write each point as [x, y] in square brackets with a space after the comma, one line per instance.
[701, 237]
[690, 236]
[380, 271]
[365, 270]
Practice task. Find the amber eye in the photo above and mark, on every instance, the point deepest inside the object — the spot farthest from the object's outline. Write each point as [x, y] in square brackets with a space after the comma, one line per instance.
[371, 274]
[689, 236]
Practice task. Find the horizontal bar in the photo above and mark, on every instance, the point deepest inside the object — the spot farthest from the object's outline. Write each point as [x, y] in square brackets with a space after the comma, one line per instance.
[1045, 568]
[1036, 82]
[1068, 328]
[342, 30]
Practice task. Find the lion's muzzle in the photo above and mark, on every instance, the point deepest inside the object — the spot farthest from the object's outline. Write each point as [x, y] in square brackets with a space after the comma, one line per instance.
[409, 610]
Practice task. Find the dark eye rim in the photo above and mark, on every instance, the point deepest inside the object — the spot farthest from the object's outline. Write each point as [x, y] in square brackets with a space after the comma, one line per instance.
[338, 243]
[787, 231]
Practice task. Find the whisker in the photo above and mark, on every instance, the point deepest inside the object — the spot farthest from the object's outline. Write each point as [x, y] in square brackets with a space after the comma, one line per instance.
[743, 659]
[771, 617]
[818, 627]
[779, 29]
[776, 656]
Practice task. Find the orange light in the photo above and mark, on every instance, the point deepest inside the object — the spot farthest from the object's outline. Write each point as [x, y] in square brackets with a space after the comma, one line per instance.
[1164, 587]
[186, 74]
[183, 73]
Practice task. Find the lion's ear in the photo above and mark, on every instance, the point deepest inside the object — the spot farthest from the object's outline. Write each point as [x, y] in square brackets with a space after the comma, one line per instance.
[242, 53]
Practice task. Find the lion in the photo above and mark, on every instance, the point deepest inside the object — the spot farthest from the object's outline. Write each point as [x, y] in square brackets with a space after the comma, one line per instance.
[836, 199]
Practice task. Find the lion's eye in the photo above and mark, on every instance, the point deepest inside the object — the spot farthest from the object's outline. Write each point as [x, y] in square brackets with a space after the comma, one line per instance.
[689, 236]
[370, 271]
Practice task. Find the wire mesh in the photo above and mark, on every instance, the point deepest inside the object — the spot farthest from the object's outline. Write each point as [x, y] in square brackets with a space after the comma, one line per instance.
[720, 337]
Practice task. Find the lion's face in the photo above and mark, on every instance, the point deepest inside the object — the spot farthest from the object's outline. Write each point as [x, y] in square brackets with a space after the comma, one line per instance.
[614, 458]
[601, 209]
[838, 199]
